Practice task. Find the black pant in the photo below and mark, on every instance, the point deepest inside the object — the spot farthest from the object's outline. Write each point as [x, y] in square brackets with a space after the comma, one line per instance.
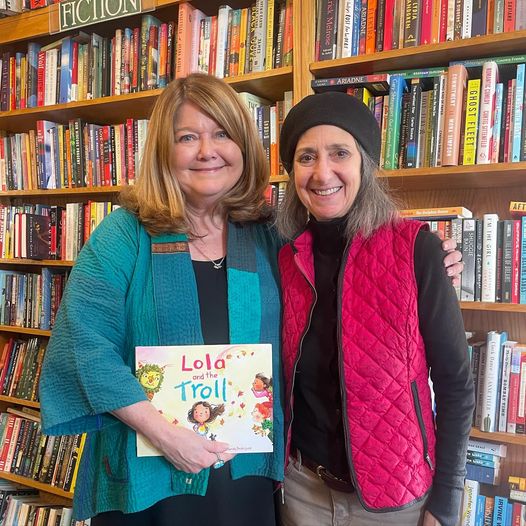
[248, 501]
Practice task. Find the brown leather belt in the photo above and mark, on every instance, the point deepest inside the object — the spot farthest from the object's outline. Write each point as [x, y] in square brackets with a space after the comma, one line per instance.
[325, 476]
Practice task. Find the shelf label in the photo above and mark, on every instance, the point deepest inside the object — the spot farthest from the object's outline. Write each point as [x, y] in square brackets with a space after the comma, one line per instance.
[79, 13]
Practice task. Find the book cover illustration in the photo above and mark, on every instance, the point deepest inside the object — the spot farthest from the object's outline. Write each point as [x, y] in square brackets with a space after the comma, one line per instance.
[221, 392]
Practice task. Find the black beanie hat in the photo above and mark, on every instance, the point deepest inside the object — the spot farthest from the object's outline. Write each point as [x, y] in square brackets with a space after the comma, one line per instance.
[334, 108]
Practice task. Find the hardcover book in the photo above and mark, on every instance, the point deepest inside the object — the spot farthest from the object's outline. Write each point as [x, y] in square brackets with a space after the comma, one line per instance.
[221, 392]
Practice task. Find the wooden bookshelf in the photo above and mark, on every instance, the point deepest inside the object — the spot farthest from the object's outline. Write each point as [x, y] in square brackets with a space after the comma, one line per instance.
[73, 192]
[476, 176]
[24, 330]
[426, 56]
[46, 488]
[36, 262]
[492, 307]
[19, 401]
[270, 84]
[504, 438]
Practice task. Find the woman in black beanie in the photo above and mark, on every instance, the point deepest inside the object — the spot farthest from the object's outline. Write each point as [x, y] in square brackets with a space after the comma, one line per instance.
[369, 313]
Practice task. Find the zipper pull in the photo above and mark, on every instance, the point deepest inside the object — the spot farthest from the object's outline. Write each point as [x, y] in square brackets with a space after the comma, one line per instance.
[428, 460]
[282, 491]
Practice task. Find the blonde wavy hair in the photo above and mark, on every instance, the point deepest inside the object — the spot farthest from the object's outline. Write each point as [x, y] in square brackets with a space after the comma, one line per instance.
[157, 198]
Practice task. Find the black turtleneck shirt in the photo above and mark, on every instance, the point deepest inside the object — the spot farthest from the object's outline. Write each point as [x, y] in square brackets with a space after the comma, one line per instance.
[317, 426]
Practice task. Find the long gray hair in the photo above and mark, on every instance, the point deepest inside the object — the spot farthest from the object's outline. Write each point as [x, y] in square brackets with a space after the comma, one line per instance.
[373, 206]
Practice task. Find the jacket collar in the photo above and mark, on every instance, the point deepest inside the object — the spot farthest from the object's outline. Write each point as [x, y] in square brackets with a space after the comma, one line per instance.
[175, 288]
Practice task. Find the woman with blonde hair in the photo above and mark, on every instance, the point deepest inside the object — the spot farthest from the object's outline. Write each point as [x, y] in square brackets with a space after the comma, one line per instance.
[188, 259]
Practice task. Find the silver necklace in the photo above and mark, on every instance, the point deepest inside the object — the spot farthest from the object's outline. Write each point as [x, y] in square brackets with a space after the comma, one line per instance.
[217, 264]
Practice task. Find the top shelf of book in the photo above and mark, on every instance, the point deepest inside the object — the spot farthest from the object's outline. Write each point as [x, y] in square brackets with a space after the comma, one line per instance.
[429, 55]
[35, 23]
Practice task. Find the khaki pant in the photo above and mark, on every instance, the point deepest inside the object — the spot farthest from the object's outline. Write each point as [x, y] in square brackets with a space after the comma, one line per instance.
[309, 502]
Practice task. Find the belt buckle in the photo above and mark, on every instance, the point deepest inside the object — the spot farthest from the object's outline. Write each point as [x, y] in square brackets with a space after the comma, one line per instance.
[321, 472]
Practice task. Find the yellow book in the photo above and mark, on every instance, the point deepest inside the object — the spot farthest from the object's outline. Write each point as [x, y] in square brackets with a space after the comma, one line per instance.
[472, 119]
[243, 40]
[270, 35]
[78, 453]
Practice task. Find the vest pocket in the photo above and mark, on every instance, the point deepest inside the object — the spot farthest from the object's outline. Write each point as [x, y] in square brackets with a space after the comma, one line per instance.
[418, 411]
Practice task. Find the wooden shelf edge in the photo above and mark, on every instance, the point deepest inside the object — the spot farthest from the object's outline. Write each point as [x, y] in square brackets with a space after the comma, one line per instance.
[424, 56]
[279, 179]
[493, 307]
[19, 401]
[24, 330]
[46, 488]
[506, 438]
[268, 76]
[473, 176]
[63, 191]
[36, 262]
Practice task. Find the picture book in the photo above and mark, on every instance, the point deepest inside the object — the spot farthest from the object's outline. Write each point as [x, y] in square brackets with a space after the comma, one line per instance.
[221, 392]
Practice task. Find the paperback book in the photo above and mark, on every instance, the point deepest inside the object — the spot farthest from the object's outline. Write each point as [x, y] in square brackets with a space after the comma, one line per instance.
[221, 392]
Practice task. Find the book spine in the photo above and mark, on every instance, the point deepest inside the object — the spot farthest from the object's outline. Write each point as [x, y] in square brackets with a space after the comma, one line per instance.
[489, 258]
[517, 116]
[397, 88]
[457, 78]
[472, 117]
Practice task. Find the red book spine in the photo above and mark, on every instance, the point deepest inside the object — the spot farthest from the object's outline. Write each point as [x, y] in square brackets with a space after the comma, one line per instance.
[426, 22]
[509, 16]
[515, 261]
[443, 21]
[136, 53]
[129, 152]
[388, 24]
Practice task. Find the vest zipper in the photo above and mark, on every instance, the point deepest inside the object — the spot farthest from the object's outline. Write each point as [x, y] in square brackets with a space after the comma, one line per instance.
[418, 410]
[307, 327]
[339, 338]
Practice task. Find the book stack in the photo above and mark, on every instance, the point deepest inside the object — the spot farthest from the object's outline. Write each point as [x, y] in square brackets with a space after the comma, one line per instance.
[493, 252]
[483, 461]
[73, 155]
[62, 231]
[235, 41]
[20, 367]
[30, 299]
[348, 28]
[499, 374]
[467, 113]
[24, 451]
[269, 118]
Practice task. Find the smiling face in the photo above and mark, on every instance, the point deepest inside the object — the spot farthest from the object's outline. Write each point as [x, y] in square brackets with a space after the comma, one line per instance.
[201, 413]
[205, 160]
[327, 171]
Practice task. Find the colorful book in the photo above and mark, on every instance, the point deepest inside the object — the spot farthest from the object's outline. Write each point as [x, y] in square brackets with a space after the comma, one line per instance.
[222, 392]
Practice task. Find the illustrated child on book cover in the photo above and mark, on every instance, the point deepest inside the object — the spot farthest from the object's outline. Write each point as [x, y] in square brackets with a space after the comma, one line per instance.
[203, 413]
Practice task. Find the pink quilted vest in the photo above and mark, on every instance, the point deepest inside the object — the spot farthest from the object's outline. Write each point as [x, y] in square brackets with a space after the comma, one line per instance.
[390, 428]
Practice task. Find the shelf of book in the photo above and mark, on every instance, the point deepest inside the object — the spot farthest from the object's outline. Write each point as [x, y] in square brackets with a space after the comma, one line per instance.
[35, 23]
[36, 262]
[499, 175]
[24, 330]
[505, 438]
[270, 84]
[19, 401]
[492, 307]
[425, 56]
[81, 191]
[37, 485]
